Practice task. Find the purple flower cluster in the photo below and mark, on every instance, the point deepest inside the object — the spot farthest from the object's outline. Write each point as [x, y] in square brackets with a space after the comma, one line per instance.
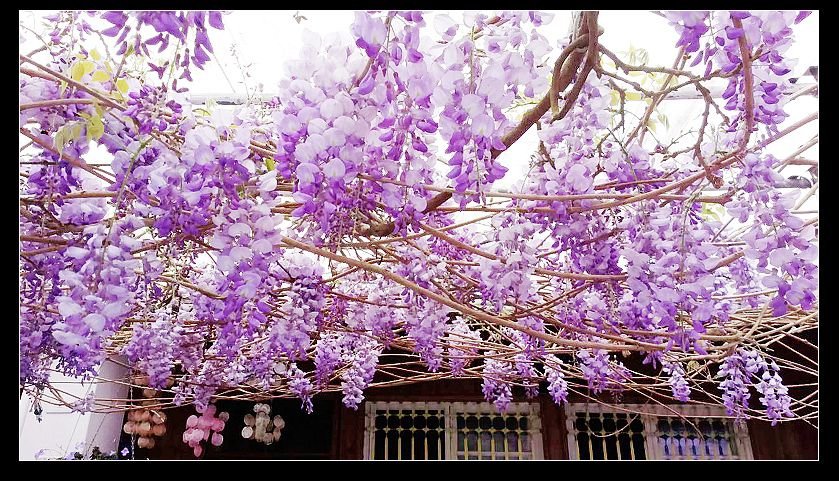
[737, 370]
[496, 382]
[557, 385]
[677, 381]
[168, 25]
[301, 386]
[599, 372]
[426, 325]
[301, 313]
[363, 358]
[509, 275]
[770, 31]
[150, 109]
[775, 394]
[461, 342]
[188, 238]
[328, 356]
[151, 349]
[473, 122]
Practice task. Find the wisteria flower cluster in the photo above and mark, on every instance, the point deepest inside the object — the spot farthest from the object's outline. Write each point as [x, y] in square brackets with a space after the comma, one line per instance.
[367, 223]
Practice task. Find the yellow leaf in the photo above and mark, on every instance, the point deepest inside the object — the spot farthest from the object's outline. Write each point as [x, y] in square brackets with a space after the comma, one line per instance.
[615, 99]
[100, 76]
[96, 55]
[269, 163]
[122, 85]
[77, 71]
[88, 66]
[634, 96]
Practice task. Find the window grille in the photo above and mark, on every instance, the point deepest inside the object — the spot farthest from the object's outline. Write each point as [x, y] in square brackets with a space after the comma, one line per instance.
[600, 432]
[457, 430]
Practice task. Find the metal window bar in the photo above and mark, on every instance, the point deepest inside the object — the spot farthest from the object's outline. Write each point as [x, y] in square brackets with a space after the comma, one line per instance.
[516, 434]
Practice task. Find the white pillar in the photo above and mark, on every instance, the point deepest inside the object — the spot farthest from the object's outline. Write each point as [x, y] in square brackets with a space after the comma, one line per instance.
[105, 429]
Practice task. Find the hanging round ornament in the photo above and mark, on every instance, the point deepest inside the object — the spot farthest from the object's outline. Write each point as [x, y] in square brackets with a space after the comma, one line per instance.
[144, 422]
[207, 427]
[262, 427]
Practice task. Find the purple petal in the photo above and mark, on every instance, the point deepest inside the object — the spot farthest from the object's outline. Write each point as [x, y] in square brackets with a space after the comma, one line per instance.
[215, 20]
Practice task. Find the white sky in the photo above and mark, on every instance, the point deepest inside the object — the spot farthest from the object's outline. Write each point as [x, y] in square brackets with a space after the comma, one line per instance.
[264, 40]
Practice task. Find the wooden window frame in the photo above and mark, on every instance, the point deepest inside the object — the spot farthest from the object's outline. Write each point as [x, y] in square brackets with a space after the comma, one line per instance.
[649, 415]
[450, 410]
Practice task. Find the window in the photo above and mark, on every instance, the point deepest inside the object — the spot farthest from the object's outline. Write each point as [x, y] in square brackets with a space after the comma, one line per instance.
[457, 430]
[601, 432]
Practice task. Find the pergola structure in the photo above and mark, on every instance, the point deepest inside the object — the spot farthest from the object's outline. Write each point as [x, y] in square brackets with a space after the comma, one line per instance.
[308, 243]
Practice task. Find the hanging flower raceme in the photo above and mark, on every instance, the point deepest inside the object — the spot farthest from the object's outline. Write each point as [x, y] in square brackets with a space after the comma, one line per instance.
[599, 372]
[677, 381]
[496, 382]
[363, 357]
[557, 385]
[462, 342]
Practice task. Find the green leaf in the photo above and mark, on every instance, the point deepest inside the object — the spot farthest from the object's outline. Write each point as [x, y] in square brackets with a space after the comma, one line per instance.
[709, 212]
[66, 134]
[95, 128]
[269, 163]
